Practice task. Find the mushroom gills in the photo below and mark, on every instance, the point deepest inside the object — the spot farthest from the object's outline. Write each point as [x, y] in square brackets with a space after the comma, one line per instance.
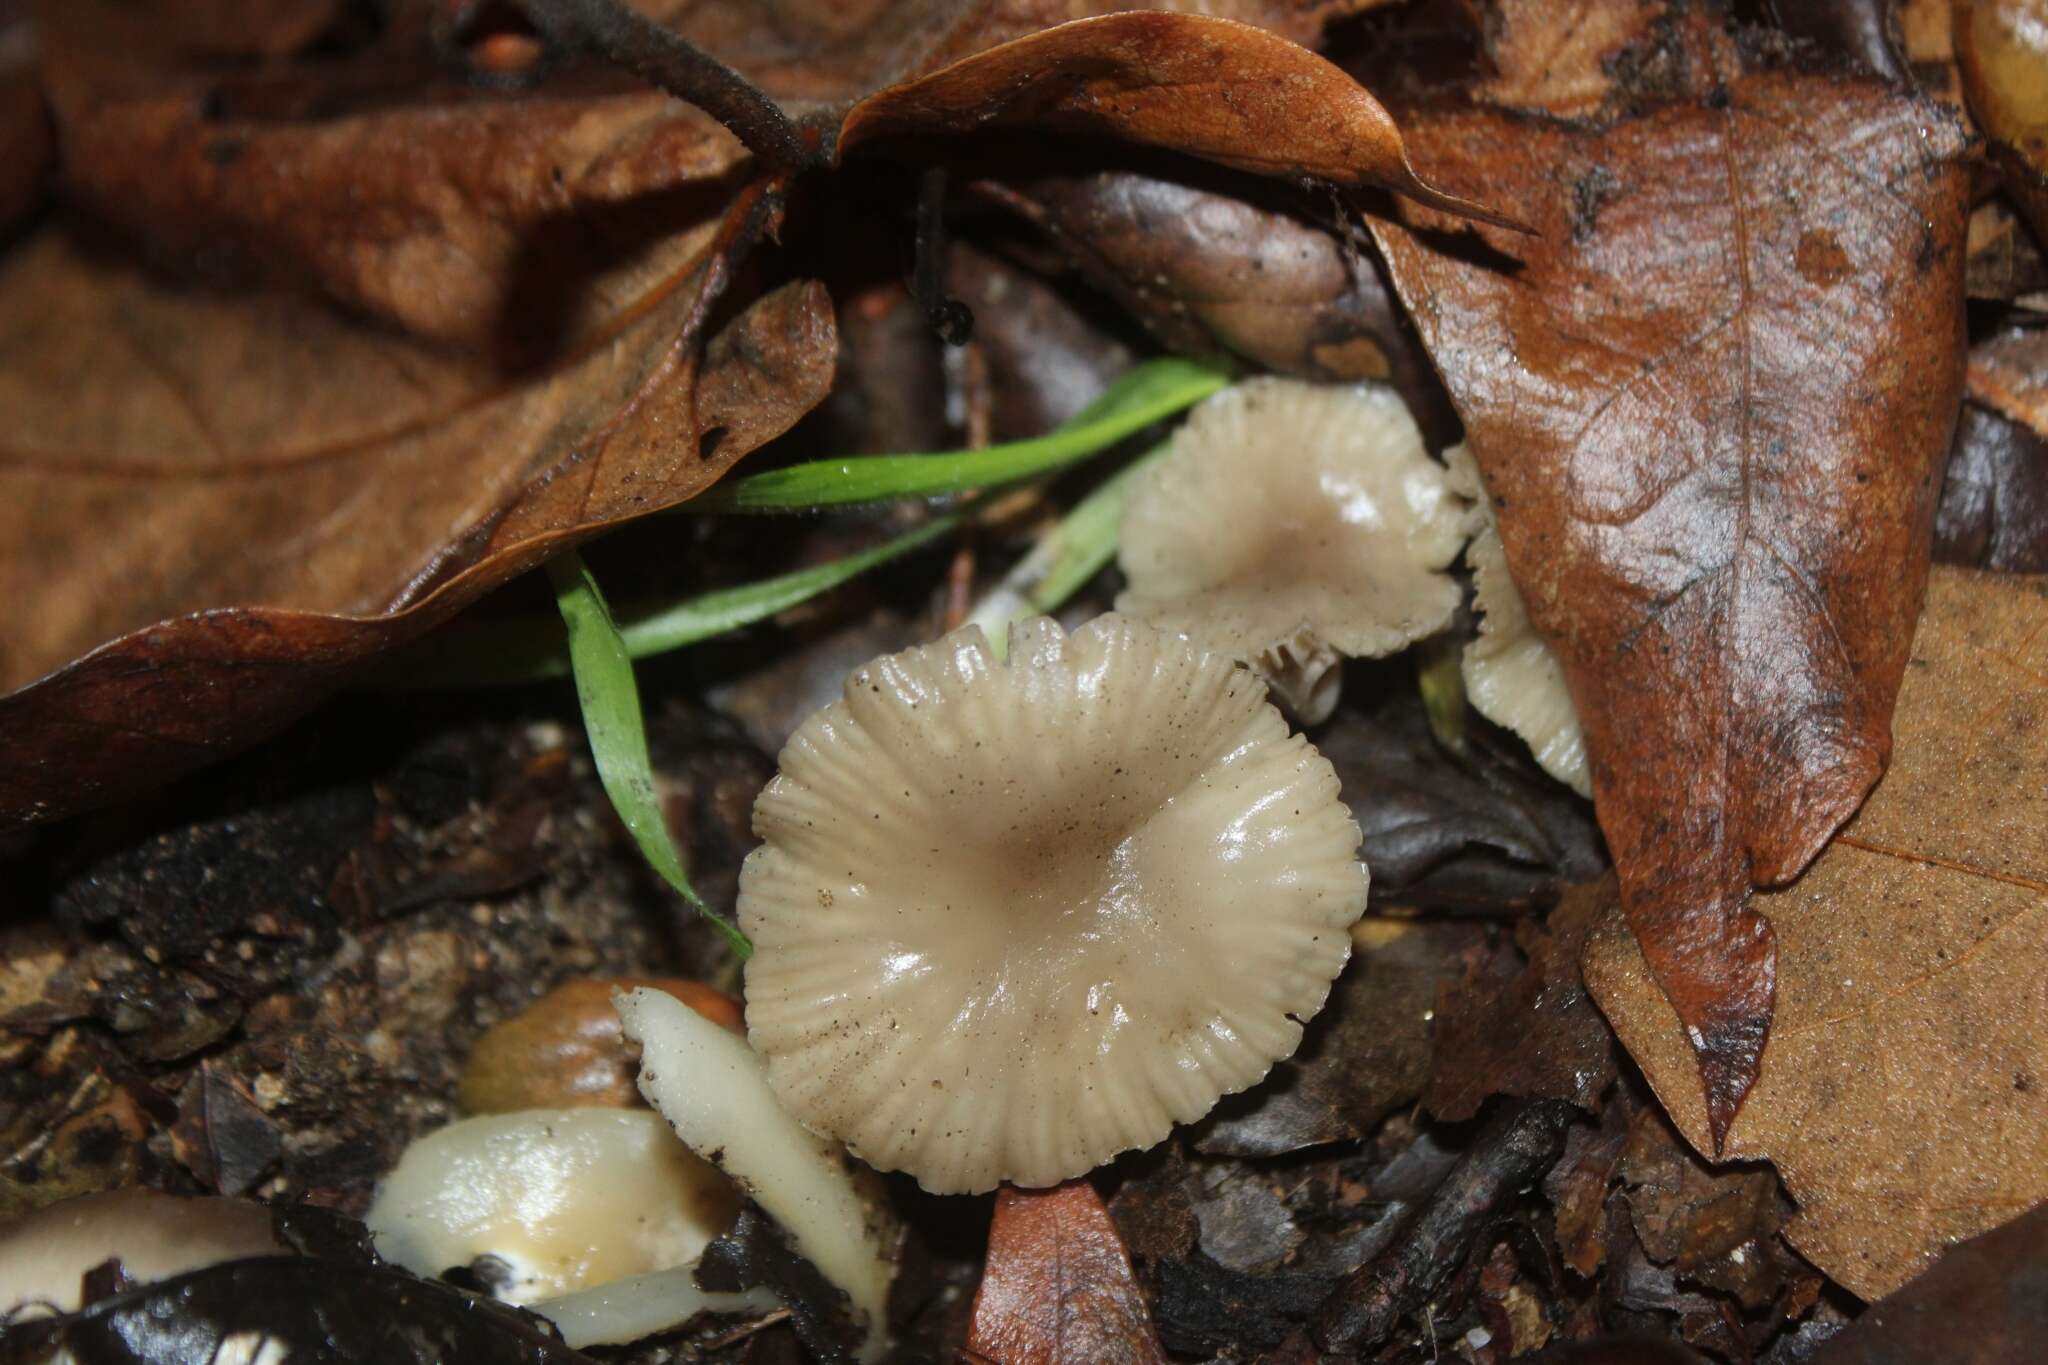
[1291, 526]
[1013, 917]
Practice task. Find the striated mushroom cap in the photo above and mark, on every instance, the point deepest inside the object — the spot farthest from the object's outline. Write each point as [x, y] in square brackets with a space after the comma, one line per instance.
[1511, 676]
[1012, 918]
[1293, 525]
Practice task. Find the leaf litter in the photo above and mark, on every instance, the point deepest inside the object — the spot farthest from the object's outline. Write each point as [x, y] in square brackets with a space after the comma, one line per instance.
[1320, 1210]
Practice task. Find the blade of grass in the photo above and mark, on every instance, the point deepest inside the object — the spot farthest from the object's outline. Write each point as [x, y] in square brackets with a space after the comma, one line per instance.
[497, 653]
[618, 733]
[1143, 395]
[1067, 557]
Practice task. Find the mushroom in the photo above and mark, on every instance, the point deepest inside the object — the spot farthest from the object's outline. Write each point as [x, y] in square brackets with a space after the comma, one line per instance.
[564, 1050]
[593, 1218]
[1293, 525]
[1014, 917]
[711, 1088]
[1511, 676]
[44, 1257]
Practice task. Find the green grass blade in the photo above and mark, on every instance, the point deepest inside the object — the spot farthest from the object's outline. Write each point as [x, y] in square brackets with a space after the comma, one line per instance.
[716, 613]
[618, 733]
[1070, 554]
[496, 653]
[1145, 394]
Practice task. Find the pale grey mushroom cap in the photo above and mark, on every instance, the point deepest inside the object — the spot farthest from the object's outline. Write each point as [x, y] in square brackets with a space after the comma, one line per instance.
[1293, 525]
[1511, 676]
[1012, 918]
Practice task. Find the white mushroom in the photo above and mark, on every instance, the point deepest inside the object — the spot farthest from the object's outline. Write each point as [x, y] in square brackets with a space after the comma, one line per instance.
[1014, 917]
[588, 1214]
[1511, 676]
[44, 1256]
[1293, 525]
[713, 1089]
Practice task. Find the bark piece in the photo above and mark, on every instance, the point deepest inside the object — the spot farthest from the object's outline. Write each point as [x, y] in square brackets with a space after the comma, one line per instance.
[1903, 1096]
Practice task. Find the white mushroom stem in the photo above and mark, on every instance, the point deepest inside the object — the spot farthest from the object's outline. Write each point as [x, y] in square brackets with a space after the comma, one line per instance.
[641, 1305]
[713, 1090]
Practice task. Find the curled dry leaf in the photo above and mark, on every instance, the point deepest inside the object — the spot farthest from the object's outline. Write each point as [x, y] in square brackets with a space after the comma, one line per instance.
[1903, 1096]
[1058, 1287]
[1711, 405]
[246, 448]
[1211, 88]
[1212, 270]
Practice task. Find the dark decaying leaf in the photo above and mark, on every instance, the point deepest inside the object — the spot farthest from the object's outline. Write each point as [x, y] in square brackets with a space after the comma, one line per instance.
[1486, 832]
[1058, 1287]
[1364, 1055]
[319, 1309]
[1985, 1302]
[2009, 374]
[1158, 80]
[1994, 500]
[1212, 270]
[1052, 360]
[333, 490]
[1515, 1146]
[1535, 1033]
[1710, 401]
[755, 1253]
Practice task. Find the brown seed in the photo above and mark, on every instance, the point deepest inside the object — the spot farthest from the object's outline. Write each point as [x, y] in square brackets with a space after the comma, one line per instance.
[565, 1049]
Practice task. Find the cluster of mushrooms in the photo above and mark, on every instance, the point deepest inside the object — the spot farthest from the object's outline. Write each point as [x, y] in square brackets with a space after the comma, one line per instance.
[1017, 911]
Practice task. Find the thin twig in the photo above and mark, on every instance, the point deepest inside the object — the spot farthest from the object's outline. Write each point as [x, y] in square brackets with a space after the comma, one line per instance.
[610, 30]
[1518, 1144]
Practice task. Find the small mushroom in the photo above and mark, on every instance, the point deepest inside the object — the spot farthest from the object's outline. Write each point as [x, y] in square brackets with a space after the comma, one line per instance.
[578, 1214]
[1293, 525]
[712, 1089]
[45, 1256]
[564, 1050]
[1014, 917]
[1511, 676]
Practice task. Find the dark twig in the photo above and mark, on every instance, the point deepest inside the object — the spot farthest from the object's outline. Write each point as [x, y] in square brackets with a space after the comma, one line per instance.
[1516, 1145]
[950, 318]
[607, 28]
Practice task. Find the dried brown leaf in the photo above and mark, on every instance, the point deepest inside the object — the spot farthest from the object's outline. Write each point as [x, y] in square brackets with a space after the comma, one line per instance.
[262, 494]
[1212, 88]
[1905, 1091]
[1058, 1287]
[1711, 405]
[1561, 60]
